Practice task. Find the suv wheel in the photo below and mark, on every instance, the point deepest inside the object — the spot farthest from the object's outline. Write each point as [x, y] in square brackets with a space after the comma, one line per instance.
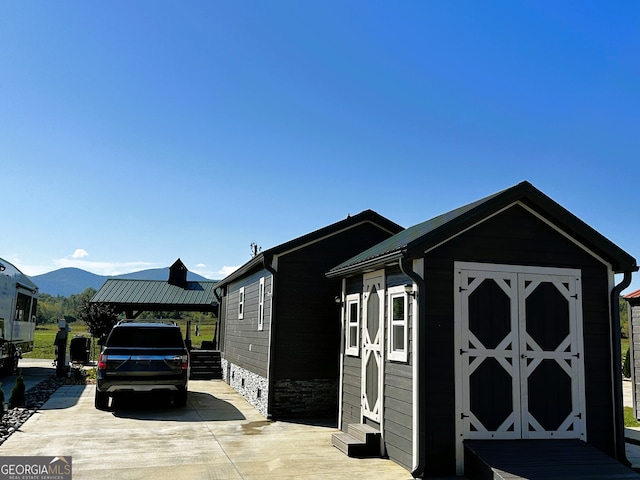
[101, 400]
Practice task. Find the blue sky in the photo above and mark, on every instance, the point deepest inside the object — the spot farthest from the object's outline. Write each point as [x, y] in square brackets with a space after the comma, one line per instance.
[136, 132]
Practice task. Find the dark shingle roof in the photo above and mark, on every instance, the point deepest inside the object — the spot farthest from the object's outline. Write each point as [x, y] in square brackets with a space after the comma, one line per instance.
[429, 233]
[362, 217]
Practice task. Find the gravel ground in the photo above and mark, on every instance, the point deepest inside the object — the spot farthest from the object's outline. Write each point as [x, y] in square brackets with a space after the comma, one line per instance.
[35, 397]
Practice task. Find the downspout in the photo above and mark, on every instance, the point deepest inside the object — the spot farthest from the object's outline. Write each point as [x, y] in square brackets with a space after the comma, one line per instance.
[266, 261]
[618, 415]
[420, 361]
[217, 334]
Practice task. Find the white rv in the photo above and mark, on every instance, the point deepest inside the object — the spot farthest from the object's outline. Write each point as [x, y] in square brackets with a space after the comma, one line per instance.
[18, 303]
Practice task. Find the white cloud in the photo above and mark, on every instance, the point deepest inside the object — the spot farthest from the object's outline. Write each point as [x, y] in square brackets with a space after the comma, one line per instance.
[201, 269]
[29, 270]
[103, 268]
[80, 253]
[228, 270]
[76, 260]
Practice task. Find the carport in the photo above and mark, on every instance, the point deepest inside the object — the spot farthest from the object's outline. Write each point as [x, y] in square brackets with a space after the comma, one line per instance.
[176, 294]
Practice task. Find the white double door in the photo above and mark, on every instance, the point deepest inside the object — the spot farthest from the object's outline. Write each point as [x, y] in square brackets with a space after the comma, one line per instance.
[519, 353]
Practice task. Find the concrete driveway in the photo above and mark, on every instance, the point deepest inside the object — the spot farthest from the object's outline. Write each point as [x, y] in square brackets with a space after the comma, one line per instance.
[33, 372]
[218, 435]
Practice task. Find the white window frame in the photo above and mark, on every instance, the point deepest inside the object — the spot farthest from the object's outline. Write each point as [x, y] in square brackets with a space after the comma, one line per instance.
[392, 353]
[261, 295]
[352, 345]
[241, 303]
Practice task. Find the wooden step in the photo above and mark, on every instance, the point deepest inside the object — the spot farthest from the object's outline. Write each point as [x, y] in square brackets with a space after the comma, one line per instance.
[360, 441]
[349, 445]
[364, 433]
[541, 460]
[205, 364]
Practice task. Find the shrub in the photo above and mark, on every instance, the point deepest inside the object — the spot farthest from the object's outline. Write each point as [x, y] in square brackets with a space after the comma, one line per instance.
[626, 366]
[17, 394]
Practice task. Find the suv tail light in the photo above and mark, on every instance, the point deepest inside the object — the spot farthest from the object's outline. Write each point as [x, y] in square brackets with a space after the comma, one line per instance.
[185, 362]
[102, 362]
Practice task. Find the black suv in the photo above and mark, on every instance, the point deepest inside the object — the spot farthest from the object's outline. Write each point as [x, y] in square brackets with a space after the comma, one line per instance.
[143, 357]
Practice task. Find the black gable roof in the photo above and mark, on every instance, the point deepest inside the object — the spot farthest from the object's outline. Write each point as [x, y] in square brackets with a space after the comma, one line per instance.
[362, 217]
[427, 234]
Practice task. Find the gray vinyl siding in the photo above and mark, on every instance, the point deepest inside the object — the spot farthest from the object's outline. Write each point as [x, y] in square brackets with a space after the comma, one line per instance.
[245, 345]
[398, 412]
[351, 391]
[634, 332]
[398, 389]
[398, 385]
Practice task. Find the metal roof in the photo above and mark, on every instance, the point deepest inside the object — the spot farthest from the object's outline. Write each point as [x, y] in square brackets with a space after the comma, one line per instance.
[157, 295]
[427, 234]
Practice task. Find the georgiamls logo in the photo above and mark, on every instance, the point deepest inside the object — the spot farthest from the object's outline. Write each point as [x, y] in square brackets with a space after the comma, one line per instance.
[35, 468]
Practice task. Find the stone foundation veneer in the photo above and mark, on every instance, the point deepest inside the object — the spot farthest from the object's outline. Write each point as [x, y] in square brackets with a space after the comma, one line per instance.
[253, 387]
[292, 398]
[305, 398]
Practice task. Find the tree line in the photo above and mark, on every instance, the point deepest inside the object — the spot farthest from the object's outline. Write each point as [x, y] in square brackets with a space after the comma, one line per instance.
[99, 318]
[51, 309]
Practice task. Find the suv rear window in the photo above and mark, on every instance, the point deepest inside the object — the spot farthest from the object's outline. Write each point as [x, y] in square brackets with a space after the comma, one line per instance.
[145, 337]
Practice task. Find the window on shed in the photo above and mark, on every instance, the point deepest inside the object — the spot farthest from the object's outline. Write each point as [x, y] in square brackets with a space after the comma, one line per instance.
[241, 303]
[397, 315]
[352, 322]
[261, 305]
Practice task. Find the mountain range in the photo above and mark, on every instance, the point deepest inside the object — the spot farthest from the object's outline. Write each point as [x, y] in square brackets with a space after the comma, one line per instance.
[70, 281]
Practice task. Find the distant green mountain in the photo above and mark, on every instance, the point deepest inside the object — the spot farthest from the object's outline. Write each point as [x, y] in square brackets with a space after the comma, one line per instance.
[70, 281]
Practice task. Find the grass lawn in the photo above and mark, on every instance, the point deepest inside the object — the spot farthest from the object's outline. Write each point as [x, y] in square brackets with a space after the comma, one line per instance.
[45, 335]
[629, 419]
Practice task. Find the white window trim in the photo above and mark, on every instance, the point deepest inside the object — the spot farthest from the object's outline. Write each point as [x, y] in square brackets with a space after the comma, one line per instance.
[397, 355]
[353, 350]
[241, 303]
[261, 296]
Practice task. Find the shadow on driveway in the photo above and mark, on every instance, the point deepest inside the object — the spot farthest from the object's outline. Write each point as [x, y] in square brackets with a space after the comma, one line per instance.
[201, 407]
[65, 396]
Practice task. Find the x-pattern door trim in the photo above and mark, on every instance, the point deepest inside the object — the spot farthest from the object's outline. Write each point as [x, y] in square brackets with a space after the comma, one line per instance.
[518, 353]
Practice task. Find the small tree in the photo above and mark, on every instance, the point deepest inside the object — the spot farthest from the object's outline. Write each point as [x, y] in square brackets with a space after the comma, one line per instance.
[626, 366]
[99, 317]
[17, 394]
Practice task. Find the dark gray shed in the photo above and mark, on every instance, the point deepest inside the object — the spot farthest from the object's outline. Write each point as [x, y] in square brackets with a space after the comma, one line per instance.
[498, 320]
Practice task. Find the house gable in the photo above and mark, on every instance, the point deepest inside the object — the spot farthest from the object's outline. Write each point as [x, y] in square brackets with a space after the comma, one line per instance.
[426, 235]
[291, 358]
